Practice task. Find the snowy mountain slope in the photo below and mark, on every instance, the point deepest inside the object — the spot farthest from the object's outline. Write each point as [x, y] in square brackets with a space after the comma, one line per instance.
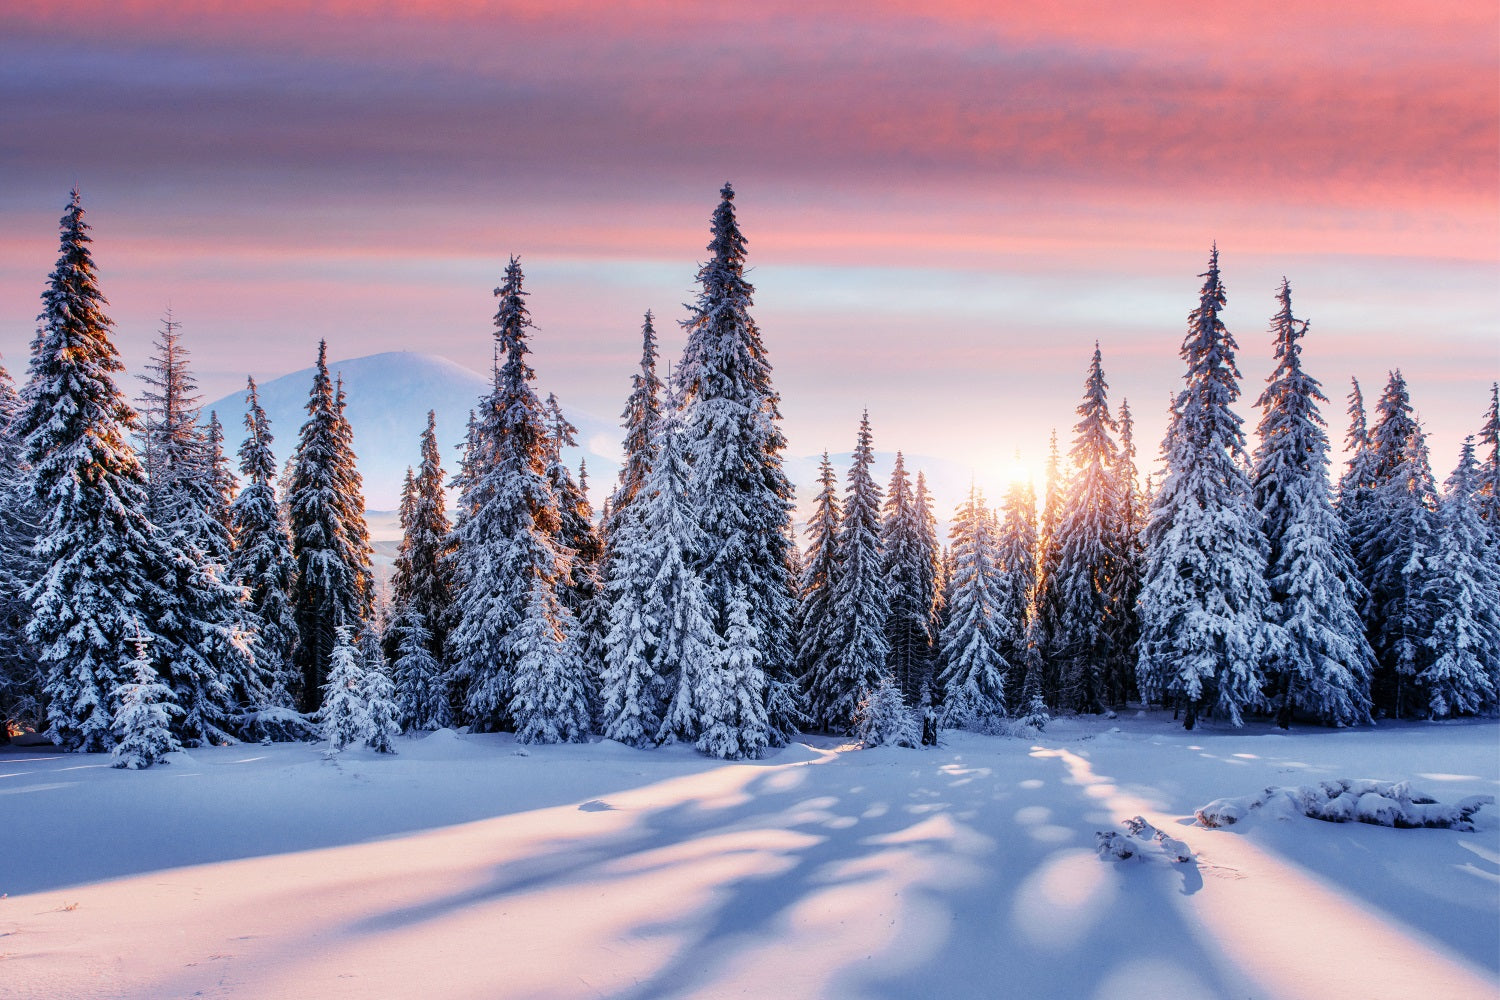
[388, 399]
[467, 866]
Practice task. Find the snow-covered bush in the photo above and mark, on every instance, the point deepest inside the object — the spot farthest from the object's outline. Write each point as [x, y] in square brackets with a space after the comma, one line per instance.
[1381, 803]
[882, 718]
[379, 697]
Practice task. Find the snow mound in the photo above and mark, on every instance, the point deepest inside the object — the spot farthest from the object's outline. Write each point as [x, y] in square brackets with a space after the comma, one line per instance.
[796, 753]
[1140, 840]
[1380, 803]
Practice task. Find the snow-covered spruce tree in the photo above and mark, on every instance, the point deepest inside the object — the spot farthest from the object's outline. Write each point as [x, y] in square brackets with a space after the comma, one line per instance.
[1323, 666]
[642, 411]
[1487, 480]
[203, 649]
[1396, 533]
[1032, 706]
[143, 722]
[1204, 632]
[262, 562]
[1016, 581]
[1464, 590]
[858, 602]
[734, 716]
[331, 588]
[1123, 589]
[974, 664]
[815, 620]
[95, 547]
[422, 592]
[577, 538]
[910, 584]
[742, 498]
[882, 718]
[512, 643]
[349, 495]
[20, 679]
[1089, 544]
[632, 694]
[343, 716]
[1047, 603]
[928, 531]
[675, 611]
[421, 689]
[378, 695]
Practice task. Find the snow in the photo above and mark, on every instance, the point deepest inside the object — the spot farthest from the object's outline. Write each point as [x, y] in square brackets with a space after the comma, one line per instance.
[458, 868]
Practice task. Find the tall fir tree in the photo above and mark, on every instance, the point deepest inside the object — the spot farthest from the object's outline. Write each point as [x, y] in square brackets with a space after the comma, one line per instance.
[1487, 480]
[815, 617]
[859, 602]
[578, 539]
[262, 562]
[1323, 665]
[1089, 544]
[331, 587]
[20, 679]
[1397, 535]
[927, 526]
[642, 411]
[513, 644]
[974, 663]
[349, 493]
[676, 614]
[1123, 589]
[1014, 584]
[1463, 677]
[743, 499]
[422, 592]
[95, 547]
[910, 584]
[1047, 604]
[169, 433]
[1204, 631]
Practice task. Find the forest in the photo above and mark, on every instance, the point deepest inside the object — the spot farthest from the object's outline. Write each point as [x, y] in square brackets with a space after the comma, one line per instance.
[150, 599]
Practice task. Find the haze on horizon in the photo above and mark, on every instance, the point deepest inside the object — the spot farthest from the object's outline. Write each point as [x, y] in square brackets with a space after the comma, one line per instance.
[945, 209]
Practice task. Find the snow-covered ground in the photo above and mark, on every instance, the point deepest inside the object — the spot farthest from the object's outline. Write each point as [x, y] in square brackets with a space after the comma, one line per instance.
[467, 866]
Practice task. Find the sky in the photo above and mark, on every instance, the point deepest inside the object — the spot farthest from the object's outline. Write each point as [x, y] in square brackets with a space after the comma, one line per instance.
[945, 208]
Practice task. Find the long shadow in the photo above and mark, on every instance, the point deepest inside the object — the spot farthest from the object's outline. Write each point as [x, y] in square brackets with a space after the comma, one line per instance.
[976, 917]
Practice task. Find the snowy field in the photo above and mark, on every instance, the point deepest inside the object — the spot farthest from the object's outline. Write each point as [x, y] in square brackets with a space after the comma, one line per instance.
[467, 866]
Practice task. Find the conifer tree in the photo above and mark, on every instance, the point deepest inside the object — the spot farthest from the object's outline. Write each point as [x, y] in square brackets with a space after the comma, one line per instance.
[734, 715]
[1014, 584]
[170, 443]
[1089, 543]
[20, 680]
[344, 718]
[262, 562]
[815, 618]
[513, 645]
[932, 575]
[1487, 481]
[882, 718]
[1463, 678]
[1123, 590]
[1033, 707]
[95, 547]
[1047, 604]
[675, 614]
[859, 603]
[1323, 665]
[743, 500]
[909, 584]
[331, 587]
[642, 411]
[422, 592]
[349, 495]
[1397, 535]
[580, 545]
[973, 647]
[1204, 598]
[143, 722]
[378, 696]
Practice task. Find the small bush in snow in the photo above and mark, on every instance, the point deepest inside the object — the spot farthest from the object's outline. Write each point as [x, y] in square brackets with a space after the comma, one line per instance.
[882, 718]
[1381, 803]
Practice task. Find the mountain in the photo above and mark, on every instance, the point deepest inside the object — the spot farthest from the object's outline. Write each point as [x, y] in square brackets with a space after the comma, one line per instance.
[388, 399]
